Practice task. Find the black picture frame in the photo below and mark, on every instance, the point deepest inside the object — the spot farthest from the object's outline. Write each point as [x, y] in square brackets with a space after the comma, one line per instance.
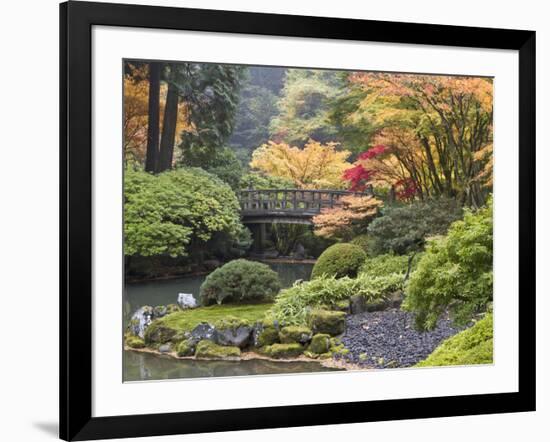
[76, 21]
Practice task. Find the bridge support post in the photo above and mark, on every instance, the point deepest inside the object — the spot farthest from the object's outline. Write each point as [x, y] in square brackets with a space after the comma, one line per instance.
[259, 234]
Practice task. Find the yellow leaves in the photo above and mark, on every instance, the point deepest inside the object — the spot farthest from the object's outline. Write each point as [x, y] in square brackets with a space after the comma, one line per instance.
[485, 157]
[316, 166]
[136, 106]
[338, 222]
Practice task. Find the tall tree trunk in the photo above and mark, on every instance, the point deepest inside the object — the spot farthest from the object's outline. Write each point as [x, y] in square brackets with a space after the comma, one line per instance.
[153, 118]
[169, 125]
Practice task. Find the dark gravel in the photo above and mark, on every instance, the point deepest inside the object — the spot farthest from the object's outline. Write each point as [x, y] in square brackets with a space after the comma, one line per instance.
[388, 339]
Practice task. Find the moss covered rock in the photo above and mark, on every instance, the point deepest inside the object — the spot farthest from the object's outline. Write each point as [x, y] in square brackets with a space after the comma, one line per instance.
[158, 333]
[267, 335]
[209, 350]
[469, 347]
[186, 348]
[134, 342]
[281, 351]
[320, 343]
[295, 333]
[326, 321]
[171, 308]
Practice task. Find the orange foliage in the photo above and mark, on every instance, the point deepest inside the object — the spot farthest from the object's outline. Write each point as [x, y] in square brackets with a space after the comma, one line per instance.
[339, 222]
[136, 100]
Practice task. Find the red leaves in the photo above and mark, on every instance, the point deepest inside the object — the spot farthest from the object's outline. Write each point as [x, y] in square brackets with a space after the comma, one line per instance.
[372, 152]
[406, 189]
[358, 176]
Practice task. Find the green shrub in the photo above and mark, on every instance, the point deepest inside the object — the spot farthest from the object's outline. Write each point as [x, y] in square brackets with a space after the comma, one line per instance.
[339, 260]
[364, 241]
[385, 265]
[403, 229]
[165, 213]
[469, 347]
[455, 273]
[240, 281]
[222, 162]
[292, 304]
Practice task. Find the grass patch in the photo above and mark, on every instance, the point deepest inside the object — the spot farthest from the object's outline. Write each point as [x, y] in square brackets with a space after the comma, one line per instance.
[469, 347]
[187, 320]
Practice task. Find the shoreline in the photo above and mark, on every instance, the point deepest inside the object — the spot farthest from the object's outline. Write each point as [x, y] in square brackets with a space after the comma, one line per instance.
[250, 356]
[167, 277]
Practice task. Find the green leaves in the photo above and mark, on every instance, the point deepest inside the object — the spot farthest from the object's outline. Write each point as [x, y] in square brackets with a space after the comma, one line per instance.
[456, 272]
[164, 214]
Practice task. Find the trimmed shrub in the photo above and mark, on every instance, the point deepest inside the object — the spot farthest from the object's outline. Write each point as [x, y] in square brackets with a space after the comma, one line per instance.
[339, 260]
[240, 281]
[455, 273]
[403, 229]
[469, 347]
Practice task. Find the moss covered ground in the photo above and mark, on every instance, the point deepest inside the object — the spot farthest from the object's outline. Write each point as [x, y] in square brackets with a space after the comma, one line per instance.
[469, 347]
[187, 320]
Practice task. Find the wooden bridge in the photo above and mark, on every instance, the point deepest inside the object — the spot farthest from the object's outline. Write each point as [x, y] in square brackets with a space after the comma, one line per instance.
[285, 206]
[288, 206]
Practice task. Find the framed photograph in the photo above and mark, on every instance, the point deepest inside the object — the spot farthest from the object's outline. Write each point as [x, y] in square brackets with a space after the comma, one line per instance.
[272, 221]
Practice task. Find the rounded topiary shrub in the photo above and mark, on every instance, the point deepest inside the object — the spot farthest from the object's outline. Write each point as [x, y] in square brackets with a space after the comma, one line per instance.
[240, 281]
[339, 260]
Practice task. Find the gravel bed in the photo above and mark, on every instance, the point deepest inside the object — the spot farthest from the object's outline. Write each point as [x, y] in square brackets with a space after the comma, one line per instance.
[388, 339]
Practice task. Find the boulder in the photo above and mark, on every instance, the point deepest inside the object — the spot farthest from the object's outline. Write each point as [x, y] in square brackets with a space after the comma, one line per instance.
[326, 321]
[159, 311]
[238, 337]
[165, 348]
[134, 341]
[320, 343]
[186, 348]
[141, 319]
[203, 331]
[171, 308]
[263, 335]
[295, 333]
[187, 300]
[158, 333]
[282, 351]
[209, 350]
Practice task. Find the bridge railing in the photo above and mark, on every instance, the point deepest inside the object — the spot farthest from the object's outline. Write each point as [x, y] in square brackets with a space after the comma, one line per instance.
[292, 200]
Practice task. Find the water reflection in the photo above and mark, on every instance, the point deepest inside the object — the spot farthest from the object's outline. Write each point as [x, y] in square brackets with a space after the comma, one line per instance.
[146, 367]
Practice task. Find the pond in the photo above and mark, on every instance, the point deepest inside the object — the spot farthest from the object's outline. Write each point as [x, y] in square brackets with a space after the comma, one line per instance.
[148, 367]
[145, 366]
[165, 291]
